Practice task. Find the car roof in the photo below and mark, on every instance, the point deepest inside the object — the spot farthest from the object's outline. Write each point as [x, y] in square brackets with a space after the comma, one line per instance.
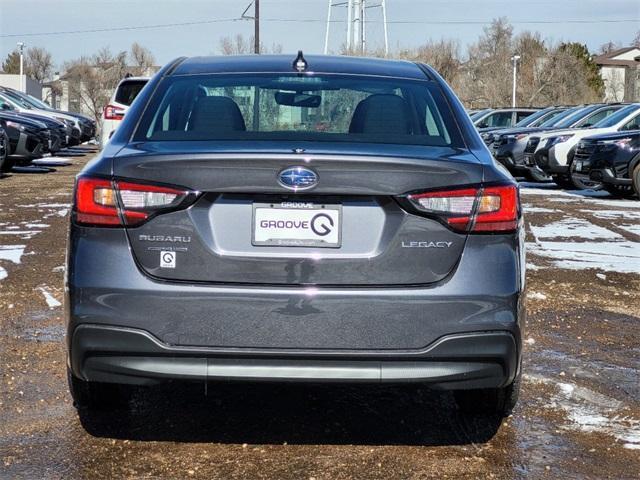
[284, 64]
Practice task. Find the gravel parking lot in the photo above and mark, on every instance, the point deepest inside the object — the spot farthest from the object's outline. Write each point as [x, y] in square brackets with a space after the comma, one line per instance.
[579, 414]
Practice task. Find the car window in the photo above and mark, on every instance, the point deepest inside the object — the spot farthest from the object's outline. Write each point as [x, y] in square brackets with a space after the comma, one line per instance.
[618, 116]
[596, 117]
[633, 124]
[497, 119]
[522, 115]
[4, 105]
[290, 107]
[128, 90]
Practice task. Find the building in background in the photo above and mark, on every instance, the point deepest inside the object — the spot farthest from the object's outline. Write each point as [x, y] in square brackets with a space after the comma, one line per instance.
[11, 80]
[620, 70]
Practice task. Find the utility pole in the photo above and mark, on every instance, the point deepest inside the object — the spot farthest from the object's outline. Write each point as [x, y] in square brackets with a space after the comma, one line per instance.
[23, 86]
[356, 24]
[256, 27]
[515, 59]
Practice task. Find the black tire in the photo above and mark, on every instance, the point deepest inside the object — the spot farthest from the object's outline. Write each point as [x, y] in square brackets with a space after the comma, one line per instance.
[563, 182]
[499, 401]
[96, 396]
[7, 165]
[623, 191]
[635, 176]
[537, 175]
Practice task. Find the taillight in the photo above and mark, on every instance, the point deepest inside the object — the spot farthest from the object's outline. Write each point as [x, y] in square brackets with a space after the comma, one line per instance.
[484, 209]
[112, 112]
[101, 202]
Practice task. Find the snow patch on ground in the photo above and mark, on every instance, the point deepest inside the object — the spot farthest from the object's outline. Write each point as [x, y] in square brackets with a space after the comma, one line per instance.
[49, 298]
[3, 273]
[614, 214]
[590, 412]
[609, 256]
[13, 253]
[635, 229]
[573, 227]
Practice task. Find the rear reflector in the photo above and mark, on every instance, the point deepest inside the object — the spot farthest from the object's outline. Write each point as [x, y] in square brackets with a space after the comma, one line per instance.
[488, 209]
[101, 202]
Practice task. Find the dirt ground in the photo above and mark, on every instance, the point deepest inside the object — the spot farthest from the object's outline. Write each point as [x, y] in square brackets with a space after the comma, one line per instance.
[578, 417]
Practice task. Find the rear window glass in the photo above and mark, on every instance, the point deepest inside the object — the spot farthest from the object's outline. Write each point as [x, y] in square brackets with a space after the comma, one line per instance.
[333, 108]
[128, 91]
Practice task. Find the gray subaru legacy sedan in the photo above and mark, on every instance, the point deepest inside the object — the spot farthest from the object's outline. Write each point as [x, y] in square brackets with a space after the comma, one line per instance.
[318, 219]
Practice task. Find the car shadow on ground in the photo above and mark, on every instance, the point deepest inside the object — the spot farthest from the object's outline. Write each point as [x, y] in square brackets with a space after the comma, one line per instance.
[292, 414]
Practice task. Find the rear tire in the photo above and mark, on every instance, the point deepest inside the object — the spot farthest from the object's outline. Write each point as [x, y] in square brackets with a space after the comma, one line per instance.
[96, 396]
[499, 401]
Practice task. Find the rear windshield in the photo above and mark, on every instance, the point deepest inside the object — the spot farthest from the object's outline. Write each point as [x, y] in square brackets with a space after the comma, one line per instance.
[128, 91]
[333, 108]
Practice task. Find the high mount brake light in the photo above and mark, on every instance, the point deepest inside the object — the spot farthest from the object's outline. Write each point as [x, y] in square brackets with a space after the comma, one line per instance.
[101, 202]
[486, 209]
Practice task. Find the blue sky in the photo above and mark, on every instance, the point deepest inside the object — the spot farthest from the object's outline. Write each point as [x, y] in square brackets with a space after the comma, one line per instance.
[20, 17]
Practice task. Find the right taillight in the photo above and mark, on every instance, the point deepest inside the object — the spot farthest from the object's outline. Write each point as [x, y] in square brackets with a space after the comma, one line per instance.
[101, 202]
[483, 209]
[112, 112]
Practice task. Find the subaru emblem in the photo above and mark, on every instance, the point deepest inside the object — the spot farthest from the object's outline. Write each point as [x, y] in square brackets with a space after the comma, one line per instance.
[297, 178]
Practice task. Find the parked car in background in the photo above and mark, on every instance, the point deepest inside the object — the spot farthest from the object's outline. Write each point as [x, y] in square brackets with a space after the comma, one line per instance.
[555, 149]
[612, 159]
[20, 105]
[501, 117]
[4, 145]
[121, 99]
[27, 138]
[86, 124]
[534, 120]
[206, 247]
[508, 145]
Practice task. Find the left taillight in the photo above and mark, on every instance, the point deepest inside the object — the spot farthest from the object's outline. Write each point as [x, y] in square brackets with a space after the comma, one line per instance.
[101, 202]
[474, 210]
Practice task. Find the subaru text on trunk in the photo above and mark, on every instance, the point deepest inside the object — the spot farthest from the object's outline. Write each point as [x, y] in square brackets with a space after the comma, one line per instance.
[328, 219]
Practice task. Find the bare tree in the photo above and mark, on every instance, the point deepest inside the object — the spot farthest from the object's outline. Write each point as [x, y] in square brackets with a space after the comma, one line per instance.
[39, 64]
[636, 40]
[608, 47]
[241, 45]
[486, 76]
[141, 58]
[91, 80]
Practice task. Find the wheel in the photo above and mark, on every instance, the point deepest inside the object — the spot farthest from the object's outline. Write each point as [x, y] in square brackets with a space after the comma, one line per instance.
[537, 175]
[489, 400]
[624, 191]
[583, 184]
[96, 396]
[636, 179]
[7, 165]
[563, 182]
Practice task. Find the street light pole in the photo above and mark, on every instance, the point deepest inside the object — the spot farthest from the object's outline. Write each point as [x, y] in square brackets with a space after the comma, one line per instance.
[22, 83]
[515, 59]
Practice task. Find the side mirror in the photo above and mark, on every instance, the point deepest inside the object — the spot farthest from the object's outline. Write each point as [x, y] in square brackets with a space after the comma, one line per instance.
[482, 125]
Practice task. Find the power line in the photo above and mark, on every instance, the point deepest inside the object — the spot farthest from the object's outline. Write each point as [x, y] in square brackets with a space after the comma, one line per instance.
[309, 20]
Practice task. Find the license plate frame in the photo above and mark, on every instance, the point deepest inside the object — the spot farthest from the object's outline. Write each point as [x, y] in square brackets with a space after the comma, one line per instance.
[304, 211]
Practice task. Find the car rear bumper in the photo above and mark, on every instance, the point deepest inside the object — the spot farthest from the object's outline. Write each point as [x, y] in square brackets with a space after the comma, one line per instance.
[130, 356]
[185, 324]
